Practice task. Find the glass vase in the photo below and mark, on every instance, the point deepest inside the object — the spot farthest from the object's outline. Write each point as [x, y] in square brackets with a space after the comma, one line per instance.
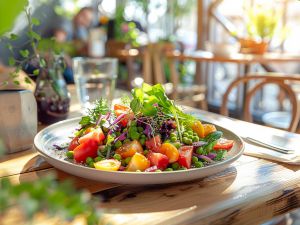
[52, 96]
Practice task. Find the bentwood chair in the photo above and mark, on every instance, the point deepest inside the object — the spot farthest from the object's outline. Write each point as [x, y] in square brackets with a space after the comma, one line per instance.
[260, 80]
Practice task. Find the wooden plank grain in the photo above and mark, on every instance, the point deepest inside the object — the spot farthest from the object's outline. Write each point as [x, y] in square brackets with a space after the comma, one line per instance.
[205, 200]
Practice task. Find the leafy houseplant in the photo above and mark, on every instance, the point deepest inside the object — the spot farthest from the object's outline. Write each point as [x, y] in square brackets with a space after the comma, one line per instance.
[47, 64]
[261, 27]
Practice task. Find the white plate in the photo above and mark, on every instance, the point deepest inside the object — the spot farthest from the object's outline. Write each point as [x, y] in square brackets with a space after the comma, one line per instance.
[60, 132]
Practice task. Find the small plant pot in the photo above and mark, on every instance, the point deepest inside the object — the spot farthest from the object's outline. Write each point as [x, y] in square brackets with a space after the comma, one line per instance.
[250, 46]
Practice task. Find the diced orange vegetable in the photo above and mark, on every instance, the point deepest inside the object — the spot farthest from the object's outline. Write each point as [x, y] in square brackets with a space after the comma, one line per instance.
[170, 151]
[129, 149]
[108, 165]
[208, 128]
[138, 162]
[198, 129]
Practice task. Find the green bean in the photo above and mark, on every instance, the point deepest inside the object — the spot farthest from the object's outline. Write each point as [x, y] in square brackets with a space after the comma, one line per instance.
[195, 159]
[88, 160]
[198, 164]
[117, 157]
[118, 144]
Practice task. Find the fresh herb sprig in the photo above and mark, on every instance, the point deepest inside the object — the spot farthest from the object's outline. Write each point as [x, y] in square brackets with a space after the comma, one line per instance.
[100, 108]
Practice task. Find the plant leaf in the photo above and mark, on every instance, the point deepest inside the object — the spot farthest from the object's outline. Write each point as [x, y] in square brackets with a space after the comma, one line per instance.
[35, 21]
[24, 53]
[27, 80]
[11, 61]
[16, 82]
[36, 72]
[13, 37]
[34, 35]
[42, 63]
[9, 46]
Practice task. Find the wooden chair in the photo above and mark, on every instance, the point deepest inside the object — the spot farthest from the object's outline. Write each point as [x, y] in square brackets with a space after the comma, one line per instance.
[195, 93]
[283, 81]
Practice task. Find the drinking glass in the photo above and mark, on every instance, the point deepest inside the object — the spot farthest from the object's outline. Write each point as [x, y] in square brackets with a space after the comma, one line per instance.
[94, 78]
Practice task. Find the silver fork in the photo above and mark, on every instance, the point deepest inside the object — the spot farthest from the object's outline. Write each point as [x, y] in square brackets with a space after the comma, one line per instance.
[270, 146]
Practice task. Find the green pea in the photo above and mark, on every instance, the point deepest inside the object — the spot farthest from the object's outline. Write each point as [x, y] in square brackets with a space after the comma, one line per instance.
[91, 164]
[177, 145]
[195, 159]
[70, 154]
[199, 150]
[126, 141]
[143, 136]
[142, 141]
[140, 129]
[98, 158]
[133, 123]
[167, 141]
[158, 171]
[188, 141]
[89, 160]
[175, 166]
[182, 168]
[195, 138]
[173, 139]
[173, 135]
[117, 157]
[145, 152]
[198, 164]
[127, 160]
[118, 144]
[185, 140]
[190, 132]
[169, 169]
[135, 136]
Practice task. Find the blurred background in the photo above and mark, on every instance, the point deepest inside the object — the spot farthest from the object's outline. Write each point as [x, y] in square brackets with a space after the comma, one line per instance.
[144, 35]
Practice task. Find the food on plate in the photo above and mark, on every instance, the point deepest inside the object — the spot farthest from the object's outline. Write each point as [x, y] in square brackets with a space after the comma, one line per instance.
[147, 133]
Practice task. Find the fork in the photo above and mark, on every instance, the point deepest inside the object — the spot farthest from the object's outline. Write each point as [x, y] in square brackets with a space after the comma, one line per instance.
[269, 146]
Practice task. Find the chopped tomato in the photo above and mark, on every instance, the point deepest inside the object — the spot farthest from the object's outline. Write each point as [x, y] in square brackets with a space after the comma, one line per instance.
[122, 109]
[154, 144]
[138, 162]
[170, 151]
[129, 149]
[208, 128]
[159, 160]
[73, 144]
[185, 156]
[223, 144]
[94, 134]
[108, 165]
[198, 128]
[86, 149]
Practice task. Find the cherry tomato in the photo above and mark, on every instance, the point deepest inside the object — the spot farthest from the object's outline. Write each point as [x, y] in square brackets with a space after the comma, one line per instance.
[86, 149]
[223, 144]
[129, 149]
[94, 134]
[138, 162]
[185, 156]
[73, 144]
[159, 160]
[154, 144]
[170, 151]
[198, 128]
[121, 109]
[108, 165]
[208, 128]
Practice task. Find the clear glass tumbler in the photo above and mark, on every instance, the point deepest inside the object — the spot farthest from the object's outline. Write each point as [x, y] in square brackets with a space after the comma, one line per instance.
[94, 78]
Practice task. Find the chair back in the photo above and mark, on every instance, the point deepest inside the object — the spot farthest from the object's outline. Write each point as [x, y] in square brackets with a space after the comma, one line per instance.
[283, 81]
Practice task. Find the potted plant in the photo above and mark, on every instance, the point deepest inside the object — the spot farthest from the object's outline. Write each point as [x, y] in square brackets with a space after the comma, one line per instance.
[45, 62]
[261, 26]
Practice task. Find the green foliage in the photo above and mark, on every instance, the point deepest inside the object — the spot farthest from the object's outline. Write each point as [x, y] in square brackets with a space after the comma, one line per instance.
[9, 11]
[48, 196]
[262, 22]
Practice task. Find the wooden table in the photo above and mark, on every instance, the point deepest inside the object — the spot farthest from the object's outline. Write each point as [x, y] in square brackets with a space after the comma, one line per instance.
[250, 191]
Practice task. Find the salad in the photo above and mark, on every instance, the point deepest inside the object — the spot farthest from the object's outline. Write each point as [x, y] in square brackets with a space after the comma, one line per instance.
[147, 133]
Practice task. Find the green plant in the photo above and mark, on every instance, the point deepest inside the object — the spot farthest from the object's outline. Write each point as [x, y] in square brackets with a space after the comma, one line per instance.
[262, 22]
[47, 196]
